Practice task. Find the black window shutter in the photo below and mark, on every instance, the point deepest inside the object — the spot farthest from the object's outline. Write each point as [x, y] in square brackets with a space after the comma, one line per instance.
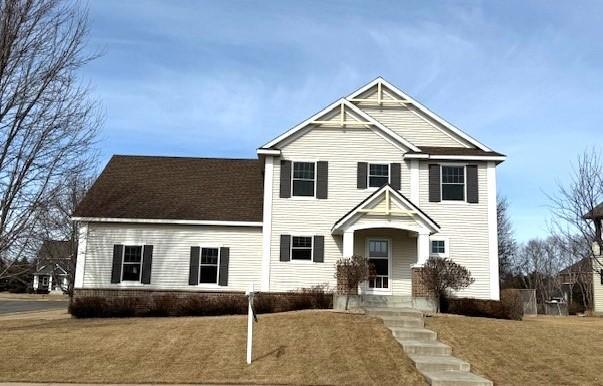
[223, 274]
[285, 247]
[322, 179]
[285, 179]
[472, 184]
[319, 249]
[116, 267]
[193, 273]
[601, 274]
[147, 263]
[361, 175]
[395, 178]
[434, 183]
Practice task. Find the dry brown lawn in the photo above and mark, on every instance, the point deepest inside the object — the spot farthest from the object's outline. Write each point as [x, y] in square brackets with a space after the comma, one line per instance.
[309, 347]
[536, 351]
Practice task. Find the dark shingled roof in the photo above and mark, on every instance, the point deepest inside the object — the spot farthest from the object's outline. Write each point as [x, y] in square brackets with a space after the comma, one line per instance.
[596, 213]
[438, 150]
[176, 188]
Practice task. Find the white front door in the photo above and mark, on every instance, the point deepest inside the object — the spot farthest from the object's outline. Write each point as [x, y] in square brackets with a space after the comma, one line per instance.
[379, 255]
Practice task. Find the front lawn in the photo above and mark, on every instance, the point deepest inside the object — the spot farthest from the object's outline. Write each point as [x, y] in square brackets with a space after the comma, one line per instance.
[536, 351]
[307, 347]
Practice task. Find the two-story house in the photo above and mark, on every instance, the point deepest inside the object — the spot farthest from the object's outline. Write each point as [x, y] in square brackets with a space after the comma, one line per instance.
[375, 173]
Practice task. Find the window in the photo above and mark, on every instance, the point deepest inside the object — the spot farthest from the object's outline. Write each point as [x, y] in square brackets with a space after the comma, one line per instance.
[45, 281]
[301, 248]
[453, 183]
[303, 179]
[378, 175]
[208, 266]
[378, 256]
[132, 263]
[439, 248]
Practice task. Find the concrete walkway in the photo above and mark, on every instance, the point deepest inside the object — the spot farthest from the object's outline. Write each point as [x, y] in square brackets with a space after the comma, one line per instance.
[432, 358]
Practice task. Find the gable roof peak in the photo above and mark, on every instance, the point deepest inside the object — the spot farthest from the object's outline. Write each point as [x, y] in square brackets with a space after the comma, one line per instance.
[407, 99]
[342, 103]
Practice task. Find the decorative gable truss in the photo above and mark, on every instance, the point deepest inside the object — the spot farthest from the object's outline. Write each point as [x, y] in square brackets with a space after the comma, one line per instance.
[340, 114]
[380, 92]
[389, 208]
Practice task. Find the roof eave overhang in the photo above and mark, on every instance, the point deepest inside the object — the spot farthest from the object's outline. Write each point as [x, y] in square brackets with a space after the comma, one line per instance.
[271, 152]
[494, 158]
[168, 221]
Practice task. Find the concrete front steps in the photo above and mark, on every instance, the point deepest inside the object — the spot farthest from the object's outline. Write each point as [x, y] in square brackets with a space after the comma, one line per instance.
[432, 358]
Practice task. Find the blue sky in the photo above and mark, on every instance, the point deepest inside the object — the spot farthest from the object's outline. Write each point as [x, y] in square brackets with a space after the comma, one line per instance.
[221, 78]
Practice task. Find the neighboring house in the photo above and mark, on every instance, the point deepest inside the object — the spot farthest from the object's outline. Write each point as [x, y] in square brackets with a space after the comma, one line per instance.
[53, 261]
[576, 281]
[596, 215]
[375, 173]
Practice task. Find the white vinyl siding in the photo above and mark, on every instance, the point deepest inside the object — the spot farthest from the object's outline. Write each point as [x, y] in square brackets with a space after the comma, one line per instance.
[171, 253]
[465, 226]
[342, 149]
[597, 288]
[412, 124]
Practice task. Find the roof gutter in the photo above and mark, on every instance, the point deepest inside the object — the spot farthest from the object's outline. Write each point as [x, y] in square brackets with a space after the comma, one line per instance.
[496, 158]
[275, 152]
[169, 221]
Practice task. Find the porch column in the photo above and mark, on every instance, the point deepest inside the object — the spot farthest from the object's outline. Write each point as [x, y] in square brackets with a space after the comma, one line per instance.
[422, 247]
[35, 282]
[348, 243]
[50, 283]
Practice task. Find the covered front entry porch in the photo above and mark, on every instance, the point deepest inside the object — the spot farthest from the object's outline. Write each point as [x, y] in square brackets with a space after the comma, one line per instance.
[393, 233]
[392, 252]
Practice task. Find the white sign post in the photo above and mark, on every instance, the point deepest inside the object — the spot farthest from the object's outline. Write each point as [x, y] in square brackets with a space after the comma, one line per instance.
[250, 318]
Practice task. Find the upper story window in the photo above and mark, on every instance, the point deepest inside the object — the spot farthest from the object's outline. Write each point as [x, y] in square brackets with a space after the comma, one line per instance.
[303, 179]
[453, 183]
[301, 248]
[132, 263]
[378, 175]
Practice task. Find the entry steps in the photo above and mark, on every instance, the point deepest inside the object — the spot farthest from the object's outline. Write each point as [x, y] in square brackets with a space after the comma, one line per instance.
[433, 359]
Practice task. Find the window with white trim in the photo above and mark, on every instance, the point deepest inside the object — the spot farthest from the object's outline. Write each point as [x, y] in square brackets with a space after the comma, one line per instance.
[301, 248]
[453, 183]
[378, 175]
[208, 265]
[304, 179]
[438, 248]
[131, 263]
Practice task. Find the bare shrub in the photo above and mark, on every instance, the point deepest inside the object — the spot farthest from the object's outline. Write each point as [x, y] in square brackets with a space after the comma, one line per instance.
[440, 275]
[350, 272]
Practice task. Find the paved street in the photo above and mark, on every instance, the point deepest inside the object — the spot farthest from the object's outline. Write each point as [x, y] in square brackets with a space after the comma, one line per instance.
[10, 306]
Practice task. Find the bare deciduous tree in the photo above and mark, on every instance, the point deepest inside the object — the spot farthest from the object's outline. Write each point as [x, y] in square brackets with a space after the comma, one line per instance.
[577, 196]
[507, 246]
[48, 121]
[55, 219]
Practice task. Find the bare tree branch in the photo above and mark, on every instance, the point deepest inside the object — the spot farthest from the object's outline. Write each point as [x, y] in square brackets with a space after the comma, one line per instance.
[48, 122]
